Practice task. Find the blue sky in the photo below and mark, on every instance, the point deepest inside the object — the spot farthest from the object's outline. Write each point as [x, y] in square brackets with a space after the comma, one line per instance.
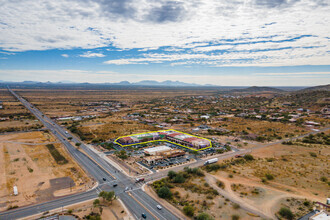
[221, 42]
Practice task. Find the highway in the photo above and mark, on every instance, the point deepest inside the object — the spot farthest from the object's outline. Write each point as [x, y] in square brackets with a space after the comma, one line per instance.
[136, 200]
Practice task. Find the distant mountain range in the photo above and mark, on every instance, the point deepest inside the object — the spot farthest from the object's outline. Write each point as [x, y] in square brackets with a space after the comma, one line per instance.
[316, 88]
[156, 83]
[167, 83]
[257, 89]
[127, 83]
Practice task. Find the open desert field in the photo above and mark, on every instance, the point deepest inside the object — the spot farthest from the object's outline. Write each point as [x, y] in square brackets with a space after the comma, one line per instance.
[263, 130]
[14, 116]
[27, 160]
[292, 176]
[110, 128]
[67, 102]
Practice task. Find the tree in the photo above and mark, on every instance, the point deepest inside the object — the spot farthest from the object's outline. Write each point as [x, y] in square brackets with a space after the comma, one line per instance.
[179, 179]
[102, 194]
[164, 192]
[121, 154]
[96, 203]
[78, 145]
[108, 196]
[204, 216]
[188, 210]
[286, 213]
[171, 174]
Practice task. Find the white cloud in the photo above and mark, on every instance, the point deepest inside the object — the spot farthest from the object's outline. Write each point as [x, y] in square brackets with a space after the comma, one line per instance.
[90, 54]
[65, 55]
[293, 74]
[177, 25]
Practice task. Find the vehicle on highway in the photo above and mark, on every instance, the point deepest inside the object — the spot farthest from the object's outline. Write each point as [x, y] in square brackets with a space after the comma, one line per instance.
[144, 216]
[66, 132]
[139, 180]
[214, 160]
[159, 207]
[115, 184]
[104, 179]
[127, 188]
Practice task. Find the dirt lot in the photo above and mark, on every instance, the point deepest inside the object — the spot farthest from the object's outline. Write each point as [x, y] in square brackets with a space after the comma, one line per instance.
[110, 211]
[111, 128]
[26, 163]
[266, 129]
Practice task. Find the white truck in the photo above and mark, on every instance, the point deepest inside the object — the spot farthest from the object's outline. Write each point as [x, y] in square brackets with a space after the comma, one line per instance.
[214, 160]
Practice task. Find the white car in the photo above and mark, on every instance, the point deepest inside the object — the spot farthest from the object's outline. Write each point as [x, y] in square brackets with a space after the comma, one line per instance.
[159, 207]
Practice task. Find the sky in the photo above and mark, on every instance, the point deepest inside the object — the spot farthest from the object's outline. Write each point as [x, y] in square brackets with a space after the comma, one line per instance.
[219, 42]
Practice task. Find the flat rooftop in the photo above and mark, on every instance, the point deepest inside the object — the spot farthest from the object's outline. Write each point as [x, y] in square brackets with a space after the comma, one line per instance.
[158, 148]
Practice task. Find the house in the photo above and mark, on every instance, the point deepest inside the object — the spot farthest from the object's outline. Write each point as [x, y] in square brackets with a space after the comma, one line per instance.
[206, 117]
[204, 127]
[325, 112]
[312, 123]
[195, 129]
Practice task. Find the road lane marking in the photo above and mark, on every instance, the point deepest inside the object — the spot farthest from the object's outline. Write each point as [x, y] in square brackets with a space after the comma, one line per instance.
[142, 205]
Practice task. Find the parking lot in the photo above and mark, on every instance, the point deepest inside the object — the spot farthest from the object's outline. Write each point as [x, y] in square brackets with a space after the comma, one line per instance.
[166, 162]
[138, 152]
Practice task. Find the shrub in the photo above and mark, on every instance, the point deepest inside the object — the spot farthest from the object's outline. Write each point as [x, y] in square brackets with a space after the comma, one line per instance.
[235, 217]
[188, 210]
[30, 169]
[212, 167]
[269, 176]
[220, 184]
[286, 213]
[236, 206]
[248, 157]
[324, 179]
[204, 216]
[312, 154]
[179, 179]
[270, 159]
[306, 203]
[164, 192]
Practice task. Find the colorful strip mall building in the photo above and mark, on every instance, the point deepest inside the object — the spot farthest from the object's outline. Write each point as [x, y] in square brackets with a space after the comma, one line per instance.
[169, 135]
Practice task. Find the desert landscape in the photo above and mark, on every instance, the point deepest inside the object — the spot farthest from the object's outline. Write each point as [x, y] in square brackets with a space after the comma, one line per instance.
[28, 164]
